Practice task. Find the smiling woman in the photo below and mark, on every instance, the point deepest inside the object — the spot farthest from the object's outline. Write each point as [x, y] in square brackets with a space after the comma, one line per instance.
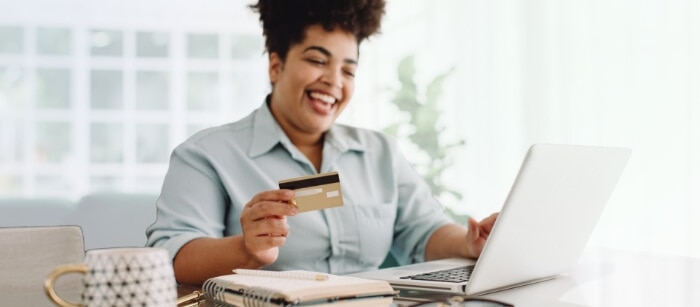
[312, 86]
[219, 193]
[94, 95]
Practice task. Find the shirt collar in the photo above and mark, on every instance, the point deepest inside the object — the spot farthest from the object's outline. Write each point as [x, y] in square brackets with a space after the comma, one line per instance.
[267, 134]
[344, 138]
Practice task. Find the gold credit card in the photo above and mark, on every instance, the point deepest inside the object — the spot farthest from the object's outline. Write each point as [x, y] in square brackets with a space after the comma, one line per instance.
[315, 192]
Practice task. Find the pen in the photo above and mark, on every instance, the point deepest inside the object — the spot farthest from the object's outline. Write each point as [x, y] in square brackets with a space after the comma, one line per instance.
[284, 274]
[192, 299]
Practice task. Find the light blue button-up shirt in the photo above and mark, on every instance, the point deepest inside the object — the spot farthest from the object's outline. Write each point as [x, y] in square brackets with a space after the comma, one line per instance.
[387, 205]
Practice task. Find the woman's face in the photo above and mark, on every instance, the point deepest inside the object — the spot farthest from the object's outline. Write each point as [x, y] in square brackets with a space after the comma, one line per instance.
[315, 83]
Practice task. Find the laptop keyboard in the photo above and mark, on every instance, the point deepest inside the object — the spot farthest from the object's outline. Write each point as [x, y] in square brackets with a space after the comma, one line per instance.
[455, 275]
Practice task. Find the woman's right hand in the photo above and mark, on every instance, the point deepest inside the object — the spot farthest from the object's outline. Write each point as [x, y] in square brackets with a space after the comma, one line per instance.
[264, 224]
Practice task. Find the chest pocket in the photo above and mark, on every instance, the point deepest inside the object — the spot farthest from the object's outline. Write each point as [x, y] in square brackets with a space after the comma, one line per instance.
[376, 230]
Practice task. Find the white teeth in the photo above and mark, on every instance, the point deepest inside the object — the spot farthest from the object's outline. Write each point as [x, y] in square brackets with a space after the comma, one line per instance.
[323, 97]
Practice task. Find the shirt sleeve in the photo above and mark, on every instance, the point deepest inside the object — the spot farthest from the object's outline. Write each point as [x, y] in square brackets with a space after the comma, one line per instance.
[419, 213]
[192, 203]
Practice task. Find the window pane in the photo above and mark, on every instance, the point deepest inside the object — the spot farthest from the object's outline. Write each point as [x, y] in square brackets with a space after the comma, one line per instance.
[53, 88]
[48, 185]
[11, 40]
[106, 43]
[152, 90]
[106, 89]
[10, 185]
[194, 128]
[53, 41]
[202, 91]
[53, 142]
[105, 183]
[8, 141]
[19, 142]
[148, 184]
[12, 87]
[203, 46]
[152, 44]
[248, 87]
[246, 46]
[106, 143]
[152, 143]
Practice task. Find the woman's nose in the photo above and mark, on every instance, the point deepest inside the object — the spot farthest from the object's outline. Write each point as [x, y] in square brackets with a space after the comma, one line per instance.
[333, 77]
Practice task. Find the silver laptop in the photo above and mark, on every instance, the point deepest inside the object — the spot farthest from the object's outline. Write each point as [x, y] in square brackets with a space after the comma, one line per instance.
[542, 229]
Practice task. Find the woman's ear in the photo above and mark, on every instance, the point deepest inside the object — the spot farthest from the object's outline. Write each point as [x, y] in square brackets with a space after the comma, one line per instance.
[275, 67]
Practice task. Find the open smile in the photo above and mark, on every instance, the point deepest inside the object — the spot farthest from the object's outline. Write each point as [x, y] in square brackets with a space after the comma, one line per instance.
[322, 97]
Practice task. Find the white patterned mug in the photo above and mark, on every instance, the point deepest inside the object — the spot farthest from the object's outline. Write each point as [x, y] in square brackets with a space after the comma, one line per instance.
[121, 277]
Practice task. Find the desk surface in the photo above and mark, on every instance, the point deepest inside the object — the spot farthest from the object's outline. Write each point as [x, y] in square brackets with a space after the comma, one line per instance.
[603, 277]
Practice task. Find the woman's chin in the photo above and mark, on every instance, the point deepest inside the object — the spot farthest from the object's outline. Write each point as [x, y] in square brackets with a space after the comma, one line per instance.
[319, 128]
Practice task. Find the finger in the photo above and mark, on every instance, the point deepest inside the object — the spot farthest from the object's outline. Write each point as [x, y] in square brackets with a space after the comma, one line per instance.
[272, 235]
[267, 209]
[473, 233]
[264, 242]
[271, 227]
[492, 218]
[475, 240]
[265, 217]
[271, 195]
[486, 224]
[266, 204]
[266, 232]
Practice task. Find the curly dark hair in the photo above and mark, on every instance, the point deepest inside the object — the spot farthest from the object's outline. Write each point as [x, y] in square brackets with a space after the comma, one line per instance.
[285, 21]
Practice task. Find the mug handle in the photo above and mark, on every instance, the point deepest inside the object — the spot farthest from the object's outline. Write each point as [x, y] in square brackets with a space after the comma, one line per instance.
[50, 282]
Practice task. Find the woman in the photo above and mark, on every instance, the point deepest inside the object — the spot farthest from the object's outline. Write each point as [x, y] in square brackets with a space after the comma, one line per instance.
[220, 209]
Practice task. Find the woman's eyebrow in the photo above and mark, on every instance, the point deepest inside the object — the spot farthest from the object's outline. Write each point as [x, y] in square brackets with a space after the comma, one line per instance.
[329, 54]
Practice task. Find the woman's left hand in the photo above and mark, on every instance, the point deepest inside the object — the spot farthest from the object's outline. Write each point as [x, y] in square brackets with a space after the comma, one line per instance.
[478, 233]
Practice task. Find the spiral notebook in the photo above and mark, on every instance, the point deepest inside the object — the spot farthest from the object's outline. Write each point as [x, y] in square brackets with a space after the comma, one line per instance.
[295, 288]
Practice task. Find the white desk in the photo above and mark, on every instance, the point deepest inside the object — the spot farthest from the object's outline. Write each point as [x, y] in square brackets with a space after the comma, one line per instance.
[606, 277]
[601, 278]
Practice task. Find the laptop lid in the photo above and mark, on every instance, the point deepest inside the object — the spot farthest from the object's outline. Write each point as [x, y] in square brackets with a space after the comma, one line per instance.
[544, 224]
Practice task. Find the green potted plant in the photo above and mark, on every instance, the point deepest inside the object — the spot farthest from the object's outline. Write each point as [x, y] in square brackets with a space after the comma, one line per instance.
[423, 129]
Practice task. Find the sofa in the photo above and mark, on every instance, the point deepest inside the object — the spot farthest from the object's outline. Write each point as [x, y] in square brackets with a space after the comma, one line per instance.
[106, 219]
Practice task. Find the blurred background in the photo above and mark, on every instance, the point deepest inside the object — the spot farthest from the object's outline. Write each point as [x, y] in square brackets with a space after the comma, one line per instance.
[94, 95]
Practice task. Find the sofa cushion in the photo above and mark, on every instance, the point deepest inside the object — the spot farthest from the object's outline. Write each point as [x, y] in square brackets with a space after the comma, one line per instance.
[16, 212]
[114, 219]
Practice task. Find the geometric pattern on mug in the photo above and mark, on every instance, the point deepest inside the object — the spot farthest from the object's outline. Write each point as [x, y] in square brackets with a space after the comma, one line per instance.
[115, 280]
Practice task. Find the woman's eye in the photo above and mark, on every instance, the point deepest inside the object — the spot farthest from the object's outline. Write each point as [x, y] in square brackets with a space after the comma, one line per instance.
[349, 73]
[316, 61]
